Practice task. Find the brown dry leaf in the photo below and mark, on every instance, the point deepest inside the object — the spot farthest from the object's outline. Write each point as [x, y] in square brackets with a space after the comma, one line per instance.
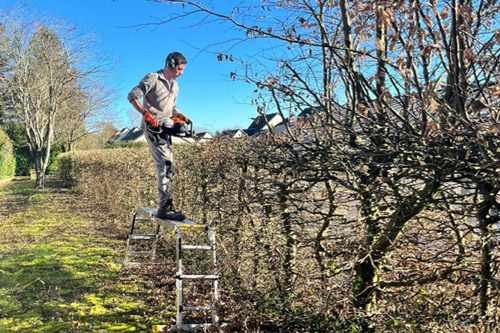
[428, 22]
[494, 91]
[385, 16]
[477, 105]
[467, 154]
[393, 46]
[468, 54]
[432, 104]
[362, 109]
[444, 13]
[430, 128]
[379, 44]
[401, 63]
[428, 49]
[481, 141]
[420, 37]
[494, 128]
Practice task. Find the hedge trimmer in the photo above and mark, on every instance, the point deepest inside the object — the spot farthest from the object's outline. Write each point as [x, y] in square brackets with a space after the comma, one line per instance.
[174, 127]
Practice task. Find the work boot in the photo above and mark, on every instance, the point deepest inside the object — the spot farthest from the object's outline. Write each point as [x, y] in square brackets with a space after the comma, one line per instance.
[167, 212]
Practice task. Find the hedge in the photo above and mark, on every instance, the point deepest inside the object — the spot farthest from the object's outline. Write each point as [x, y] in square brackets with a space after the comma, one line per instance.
[288, 238]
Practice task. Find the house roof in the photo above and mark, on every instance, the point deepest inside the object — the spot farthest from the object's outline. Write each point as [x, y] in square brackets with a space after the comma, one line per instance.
[260, 122]
[278, 129]
[133, 134]
[204, 134]
[119, 135]
[308, 112]
[231, 132]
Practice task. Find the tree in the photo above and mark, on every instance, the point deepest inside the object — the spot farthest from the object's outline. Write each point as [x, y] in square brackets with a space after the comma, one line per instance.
[405, 96]
[97, 140]
[47, 67]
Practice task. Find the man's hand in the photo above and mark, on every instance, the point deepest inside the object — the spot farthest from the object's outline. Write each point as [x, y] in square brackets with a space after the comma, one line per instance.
[150, 120]
[185, 119]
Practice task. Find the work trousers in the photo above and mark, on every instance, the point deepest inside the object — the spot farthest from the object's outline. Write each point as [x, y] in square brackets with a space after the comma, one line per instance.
[162, 154]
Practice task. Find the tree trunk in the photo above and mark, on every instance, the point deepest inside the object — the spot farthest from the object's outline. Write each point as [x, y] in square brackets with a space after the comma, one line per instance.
[40, 170]
[484, 221]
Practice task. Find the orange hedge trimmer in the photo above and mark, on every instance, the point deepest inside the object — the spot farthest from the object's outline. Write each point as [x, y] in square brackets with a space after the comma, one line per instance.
[174, 127]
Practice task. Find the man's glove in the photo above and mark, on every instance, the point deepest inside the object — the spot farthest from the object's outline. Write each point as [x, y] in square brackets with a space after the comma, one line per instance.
[180, 127]
[150, 120]
[185, 119]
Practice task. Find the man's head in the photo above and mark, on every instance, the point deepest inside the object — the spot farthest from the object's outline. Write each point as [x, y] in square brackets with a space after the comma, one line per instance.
[174, 65]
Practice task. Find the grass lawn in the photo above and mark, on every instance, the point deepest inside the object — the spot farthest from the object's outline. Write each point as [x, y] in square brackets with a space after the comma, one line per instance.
[57, 272]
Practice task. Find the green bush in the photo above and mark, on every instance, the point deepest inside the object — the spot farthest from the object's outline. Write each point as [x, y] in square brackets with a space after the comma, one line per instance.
[7, 161]
[22, 155]
[52, 168]
[24, 161]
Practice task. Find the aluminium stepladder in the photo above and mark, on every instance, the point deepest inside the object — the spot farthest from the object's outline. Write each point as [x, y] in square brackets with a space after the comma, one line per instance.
[149, 214]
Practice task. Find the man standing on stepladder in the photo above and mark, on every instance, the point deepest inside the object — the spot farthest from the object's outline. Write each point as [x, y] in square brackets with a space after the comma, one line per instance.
[159, 92]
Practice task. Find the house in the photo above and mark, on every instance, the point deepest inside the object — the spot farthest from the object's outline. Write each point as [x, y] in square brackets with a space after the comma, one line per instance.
[263, 123]
[273, 123]
[236, 133]
[204, 135]
[136, 134]
[118, 136]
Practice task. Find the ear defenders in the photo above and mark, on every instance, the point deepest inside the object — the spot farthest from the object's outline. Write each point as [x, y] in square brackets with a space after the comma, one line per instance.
[170, 61]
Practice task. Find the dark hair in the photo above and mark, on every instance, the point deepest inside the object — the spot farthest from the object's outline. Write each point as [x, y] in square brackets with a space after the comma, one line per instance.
[175, 59]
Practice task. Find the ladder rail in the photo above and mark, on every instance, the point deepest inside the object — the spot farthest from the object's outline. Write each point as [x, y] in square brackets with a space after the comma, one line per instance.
[178, 281]
[215, 282]
[149, 214]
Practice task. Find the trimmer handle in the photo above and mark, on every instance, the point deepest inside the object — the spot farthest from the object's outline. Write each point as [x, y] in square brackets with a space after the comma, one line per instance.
[190, 132]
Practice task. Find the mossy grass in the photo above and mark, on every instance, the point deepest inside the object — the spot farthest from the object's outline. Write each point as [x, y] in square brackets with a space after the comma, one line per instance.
[56, 268]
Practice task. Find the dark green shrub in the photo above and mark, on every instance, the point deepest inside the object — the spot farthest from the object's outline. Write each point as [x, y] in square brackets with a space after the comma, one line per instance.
[24, 161]
[52, 168]
[7, 161]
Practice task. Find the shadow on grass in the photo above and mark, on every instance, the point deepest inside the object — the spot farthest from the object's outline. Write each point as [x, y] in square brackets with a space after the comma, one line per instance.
[56, 273]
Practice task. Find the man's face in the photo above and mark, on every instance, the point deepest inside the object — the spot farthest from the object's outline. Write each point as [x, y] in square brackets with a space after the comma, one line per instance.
[178, 70]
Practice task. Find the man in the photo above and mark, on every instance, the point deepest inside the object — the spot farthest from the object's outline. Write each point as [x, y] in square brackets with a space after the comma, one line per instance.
[159, 92]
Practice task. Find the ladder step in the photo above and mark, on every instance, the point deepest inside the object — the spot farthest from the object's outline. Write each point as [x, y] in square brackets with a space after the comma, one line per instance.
[197, 247]
[201, 277]
[189, 327]
[141, 263]
[143, 219]
[185, 327]
[142, 236]
[140, 252]
[197, 308]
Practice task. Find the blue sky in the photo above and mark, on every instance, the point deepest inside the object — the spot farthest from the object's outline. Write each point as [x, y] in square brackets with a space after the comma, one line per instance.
[207, 95]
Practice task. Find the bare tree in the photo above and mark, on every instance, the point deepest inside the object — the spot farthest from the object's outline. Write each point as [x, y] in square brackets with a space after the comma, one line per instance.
[47, 65]
[84, 113]
[406, 117]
